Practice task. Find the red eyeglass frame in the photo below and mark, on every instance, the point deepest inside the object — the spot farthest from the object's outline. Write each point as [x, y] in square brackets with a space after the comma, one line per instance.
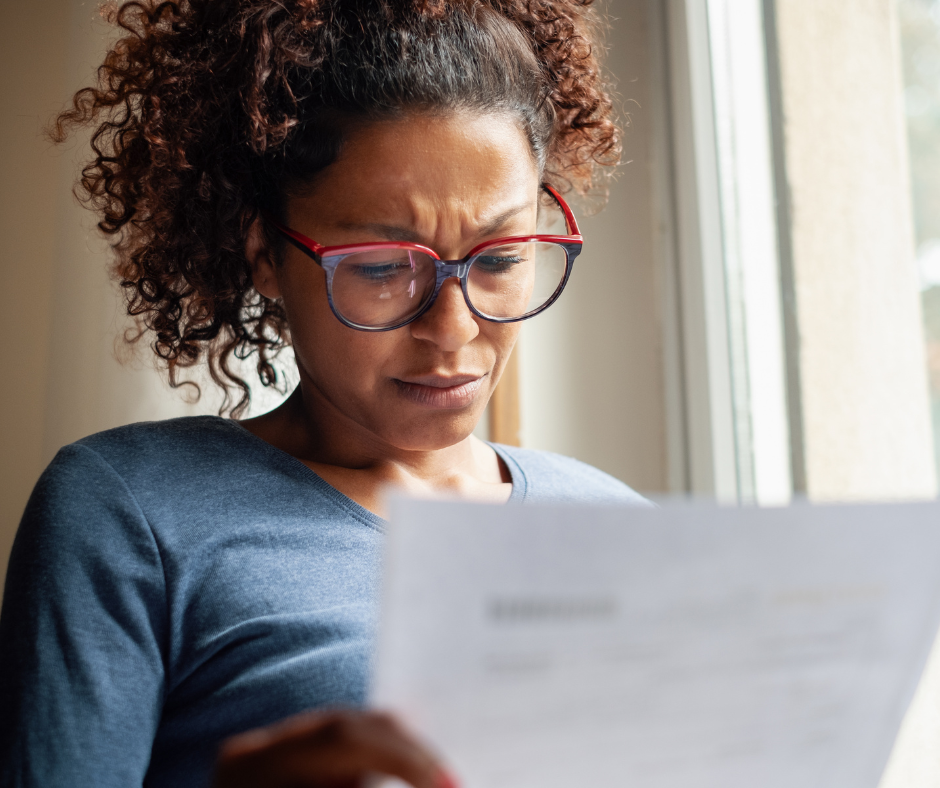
[329, 257]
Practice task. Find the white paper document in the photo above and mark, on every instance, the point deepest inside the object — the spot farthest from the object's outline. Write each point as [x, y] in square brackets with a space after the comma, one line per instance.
[685, 647]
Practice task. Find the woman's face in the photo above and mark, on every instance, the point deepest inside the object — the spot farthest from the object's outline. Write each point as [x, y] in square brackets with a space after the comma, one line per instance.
[446, 183]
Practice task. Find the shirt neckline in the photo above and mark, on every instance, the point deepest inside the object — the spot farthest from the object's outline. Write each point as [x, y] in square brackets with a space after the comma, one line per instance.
[516, 476]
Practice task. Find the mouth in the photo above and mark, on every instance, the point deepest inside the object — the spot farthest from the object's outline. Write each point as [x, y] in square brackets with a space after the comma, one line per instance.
[448, 392]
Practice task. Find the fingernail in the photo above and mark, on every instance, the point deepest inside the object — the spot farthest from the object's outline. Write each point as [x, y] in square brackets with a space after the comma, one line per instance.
[444, 780]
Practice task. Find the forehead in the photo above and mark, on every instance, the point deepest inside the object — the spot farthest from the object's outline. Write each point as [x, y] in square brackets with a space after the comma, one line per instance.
[458, 164]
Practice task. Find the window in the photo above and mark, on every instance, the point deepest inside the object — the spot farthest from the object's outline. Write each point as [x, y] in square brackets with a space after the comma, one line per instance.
[920, 47]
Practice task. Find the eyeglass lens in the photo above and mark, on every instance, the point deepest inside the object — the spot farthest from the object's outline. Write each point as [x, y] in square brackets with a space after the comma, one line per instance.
[383, 287]
[386, 287]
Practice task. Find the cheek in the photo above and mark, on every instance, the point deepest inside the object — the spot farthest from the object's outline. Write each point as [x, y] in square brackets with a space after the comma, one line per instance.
[502, 337]
[308, 310]
[331, 354]
[314, 331]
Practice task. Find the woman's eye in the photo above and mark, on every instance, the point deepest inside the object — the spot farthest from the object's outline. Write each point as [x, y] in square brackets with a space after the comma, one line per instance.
[497, 264]
[383, 272]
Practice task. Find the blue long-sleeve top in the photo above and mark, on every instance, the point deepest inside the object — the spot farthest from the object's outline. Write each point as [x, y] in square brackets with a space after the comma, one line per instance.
[174, 583]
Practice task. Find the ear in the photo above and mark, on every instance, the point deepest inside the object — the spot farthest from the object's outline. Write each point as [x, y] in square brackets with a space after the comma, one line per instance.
[263, 270]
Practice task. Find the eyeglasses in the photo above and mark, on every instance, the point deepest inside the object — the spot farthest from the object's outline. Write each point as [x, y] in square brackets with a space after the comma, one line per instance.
[384, 286]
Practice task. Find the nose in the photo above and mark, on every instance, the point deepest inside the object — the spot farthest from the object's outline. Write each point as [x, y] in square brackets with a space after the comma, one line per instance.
[449, 323]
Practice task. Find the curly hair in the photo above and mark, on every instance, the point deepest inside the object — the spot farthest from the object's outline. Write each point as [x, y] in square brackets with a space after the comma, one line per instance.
[205, 112]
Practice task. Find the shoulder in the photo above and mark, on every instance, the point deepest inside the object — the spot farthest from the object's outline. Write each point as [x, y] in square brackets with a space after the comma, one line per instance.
[105, 477]
[187, 477]
[153, 443]
[137, 471]
[547, 477]
[83, 535]
[195, 455]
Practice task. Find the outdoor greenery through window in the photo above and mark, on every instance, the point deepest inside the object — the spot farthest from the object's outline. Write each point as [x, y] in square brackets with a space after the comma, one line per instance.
[920, 46]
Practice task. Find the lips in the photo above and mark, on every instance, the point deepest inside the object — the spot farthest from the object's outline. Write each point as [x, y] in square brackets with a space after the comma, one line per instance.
[441, 391]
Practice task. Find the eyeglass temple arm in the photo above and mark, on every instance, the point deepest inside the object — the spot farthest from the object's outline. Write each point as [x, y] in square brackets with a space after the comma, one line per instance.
[570, 221]
[306, 244]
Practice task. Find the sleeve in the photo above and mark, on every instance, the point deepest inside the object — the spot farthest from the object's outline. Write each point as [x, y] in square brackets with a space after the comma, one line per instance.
[81, 633]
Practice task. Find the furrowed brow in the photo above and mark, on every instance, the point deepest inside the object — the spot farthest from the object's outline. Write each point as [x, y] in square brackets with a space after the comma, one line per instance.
[498, 222]
[393, 232]
[389, 232]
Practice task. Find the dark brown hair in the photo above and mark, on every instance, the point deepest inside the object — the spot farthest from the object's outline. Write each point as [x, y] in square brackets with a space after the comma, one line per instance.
[206, 111]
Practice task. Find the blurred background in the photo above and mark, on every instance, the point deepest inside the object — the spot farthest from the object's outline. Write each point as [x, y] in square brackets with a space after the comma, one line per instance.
[756, 315]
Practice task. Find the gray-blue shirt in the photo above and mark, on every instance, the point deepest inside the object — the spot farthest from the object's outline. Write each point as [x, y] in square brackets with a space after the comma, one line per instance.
[174, 583]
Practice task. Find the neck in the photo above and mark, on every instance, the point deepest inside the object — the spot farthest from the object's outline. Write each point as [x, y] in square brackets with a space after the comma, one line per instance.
[361, 465]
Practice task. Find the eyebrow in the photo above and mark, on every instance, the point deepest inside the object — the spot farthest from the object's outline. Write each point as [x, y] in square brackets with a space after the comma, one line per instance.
[393, 232]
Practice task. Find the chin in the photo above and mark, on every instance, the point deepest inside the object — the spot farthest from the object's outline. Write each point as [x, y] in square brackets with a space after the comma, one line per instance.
[432, 434]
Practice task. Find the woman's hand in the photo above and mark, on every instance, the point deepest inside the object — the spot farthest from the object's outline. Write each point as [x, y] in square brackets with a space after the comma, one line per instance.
[336, 749]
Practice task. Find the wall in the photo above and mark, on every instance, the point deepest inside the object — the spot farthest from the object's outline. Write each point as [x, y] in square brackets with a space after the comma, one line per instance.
[867, 430]
[592, 366]
[61, 313]
[866, 415]
[30, 172]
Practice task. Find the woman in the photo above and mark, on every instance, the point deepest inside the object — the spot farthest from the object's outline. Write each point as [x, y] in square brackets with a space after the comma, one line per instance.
[282, 172]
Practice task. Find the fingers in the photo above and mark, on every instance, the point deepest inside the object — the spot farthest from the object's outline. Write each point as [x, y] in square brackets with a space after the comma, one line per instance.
[326, 750]
[348, 745]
